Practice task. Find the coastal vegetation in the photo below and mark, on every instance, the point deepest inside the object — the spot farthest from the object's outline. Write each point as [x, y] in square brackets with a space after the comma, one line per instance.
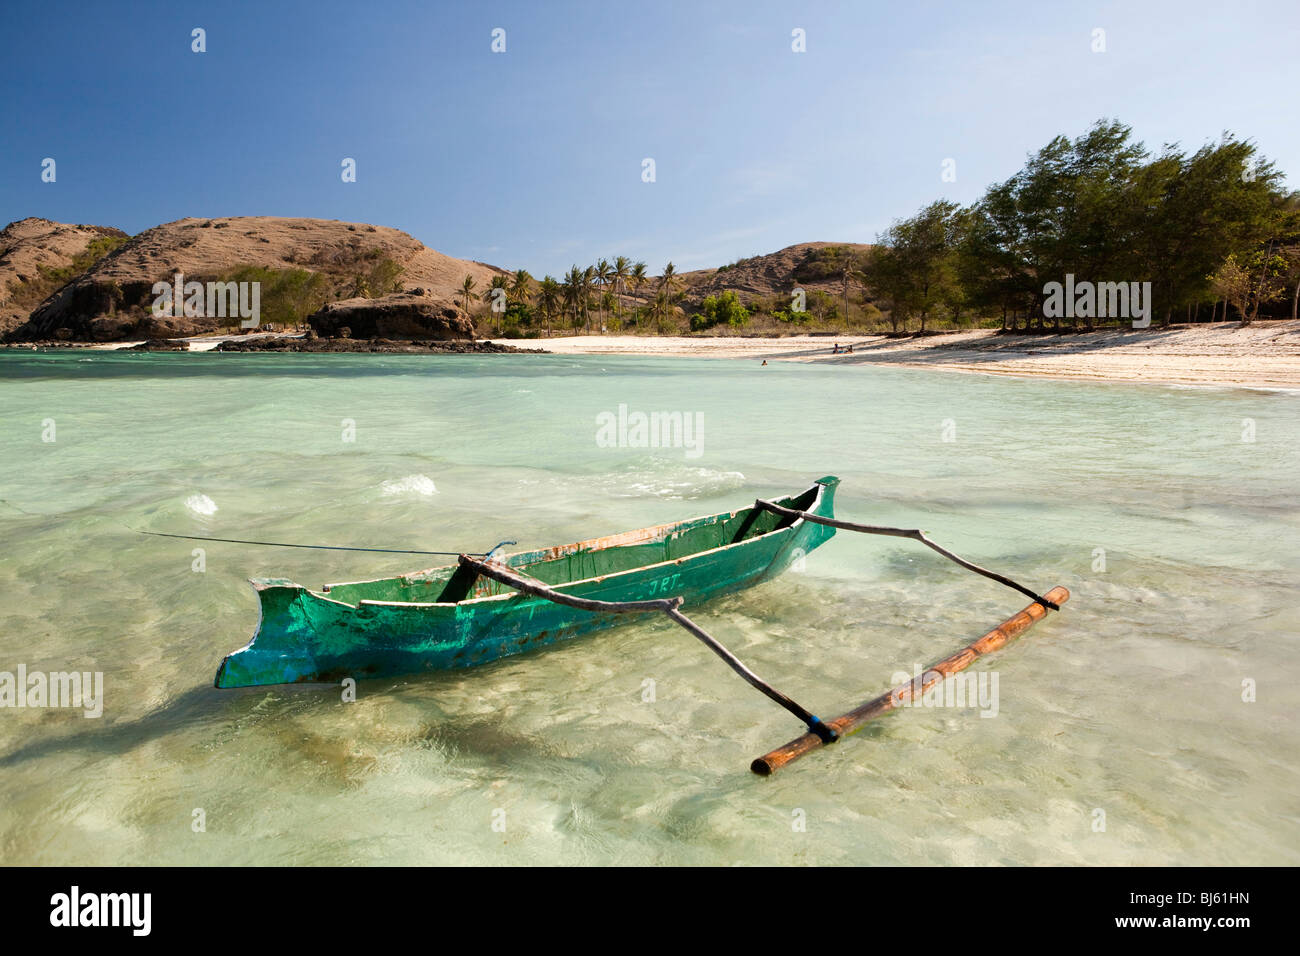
[289, 295]
[1212, 231]
[724, 309]
[605, 296]
[1209, 234]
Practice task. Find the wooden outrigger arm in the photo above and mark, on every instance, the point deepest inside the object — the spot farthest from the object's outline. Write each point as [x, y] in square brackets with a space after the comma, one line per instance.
[915, 534]
[820, 733]
[528, 585]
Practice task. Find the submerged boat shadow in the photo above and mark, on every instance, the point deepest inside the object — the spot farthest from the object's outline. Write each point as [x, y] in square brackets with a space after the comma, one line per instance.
[489, 737]
[188, 709]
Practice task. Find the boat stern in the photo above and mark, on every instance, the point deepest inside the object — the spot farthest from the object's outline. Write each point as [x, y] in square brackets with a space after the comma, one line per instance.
[807, 536]
[812, 536]
[826, 499]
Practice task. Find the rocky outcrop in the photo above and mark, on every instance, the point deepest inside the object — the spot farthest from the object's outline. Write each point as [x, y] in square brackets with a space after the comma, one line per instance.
[112, 300]
[402, 315]
[35, 254]
[356, 346]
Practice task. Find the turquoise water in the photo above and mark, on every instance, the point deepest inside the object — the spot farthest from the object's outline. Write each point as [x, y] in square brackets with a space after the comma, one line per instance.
[1129, 703]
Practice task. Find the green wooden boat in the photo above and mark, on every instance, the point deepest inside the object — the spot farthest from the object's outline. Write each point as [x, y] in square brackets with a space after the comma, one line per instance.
[451, 616]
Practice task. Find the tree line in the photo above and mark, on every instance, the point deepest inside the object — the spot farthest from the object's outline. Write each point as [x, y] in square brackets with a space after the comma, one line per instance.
[518, 302]
[1213, 231]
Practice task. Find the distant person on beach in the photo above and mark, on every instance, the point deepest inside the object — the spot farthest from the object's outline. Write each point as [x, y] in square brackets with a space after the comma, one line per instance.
[836, 350]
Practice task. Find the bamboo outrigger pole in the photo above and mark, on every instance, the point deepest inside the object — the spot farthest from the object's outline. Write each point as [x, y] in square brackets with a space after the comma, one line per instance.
[818, 730]
[846, 724]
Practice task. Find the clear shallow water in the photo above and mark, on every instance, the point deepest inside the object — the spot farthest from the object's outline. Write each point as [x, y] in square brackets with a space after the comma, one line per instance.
[1129, 702]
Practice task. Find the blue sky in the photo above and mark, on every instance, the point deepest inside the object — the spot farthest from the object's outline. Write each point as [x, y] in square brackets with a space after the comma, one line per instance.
[533, 157]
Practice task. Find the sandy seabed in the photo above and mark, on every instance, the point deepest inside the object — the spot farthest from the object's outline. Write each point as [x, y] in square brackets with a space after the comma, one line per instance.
[1263, 355]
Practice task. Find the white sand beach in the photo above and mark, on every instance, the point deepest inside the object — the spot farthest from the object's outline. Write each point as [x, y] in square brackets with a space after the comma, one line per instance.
[1263, 355]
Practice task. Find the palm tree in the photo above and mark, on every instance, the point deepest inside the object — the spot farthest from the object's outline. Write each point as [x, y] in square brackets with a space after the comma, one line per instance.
[638, 277]
[520, 286]
[608, 301]
[566, 291]
[604, 276]
[498, 282]
[588, 282]
[669, 282]
[659, 307]
[467, 292]
[549, 297]
[573, 294]
[622, 270]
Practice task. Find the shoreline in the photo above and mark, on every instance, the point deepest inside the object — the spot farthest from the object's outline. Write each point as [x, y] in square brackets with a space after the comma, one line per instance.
[1264, 356]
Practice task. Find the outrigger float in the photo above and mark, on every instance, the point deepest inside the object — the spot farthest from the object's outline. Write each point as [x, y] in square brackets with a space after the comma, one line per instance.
[487, 607]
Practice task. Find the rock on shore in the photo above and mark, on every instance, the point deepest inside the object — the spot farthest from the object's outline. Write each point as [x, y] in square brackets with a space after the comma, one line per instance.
[402, 315]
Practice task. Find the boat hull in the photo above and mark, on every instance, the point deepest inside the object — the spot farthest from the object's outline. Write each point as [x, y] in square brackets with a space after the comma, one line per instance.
[309, 636]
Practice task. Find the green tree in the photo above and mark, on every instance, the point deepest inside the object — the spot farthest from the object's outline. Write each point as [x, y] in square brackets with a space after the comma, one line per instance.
[621, 272]
[467, 294]
[550, 297]
[521, 286]
[670, 282]
[723, 309]
[1232, 283]
[588, 283]
[604, 274]
[1187, 214]
[575, 295]
[660, 308]
[497, 298]
[914, 266]
[1100, 208]
[638, 278]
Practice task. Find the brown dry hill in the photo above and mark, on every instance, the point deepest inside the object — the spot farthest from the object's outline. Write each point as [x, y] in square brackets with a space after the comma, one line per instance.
[111, 301]
[773, 275]
[37, 256]
[764, 283]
